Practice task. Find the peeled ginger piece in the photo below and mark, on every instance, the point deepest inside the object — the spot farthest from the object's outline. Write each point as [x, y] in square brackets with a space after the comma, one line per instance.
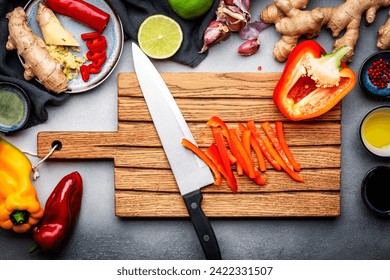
[52, 30]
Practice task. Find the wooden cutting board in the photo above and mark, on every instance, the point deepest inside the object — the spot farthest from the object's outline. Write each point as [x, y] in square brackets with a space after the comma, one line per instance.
[144, 184]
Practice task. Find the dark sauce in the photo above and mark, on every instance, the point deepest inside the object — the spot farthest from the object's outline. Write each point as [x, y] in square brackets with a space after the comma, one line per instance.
[376, 189]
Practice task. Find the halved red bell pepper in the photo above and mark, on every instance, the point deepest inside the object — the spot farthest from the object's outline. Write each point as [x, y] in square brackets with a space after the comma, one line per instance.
[312, 81]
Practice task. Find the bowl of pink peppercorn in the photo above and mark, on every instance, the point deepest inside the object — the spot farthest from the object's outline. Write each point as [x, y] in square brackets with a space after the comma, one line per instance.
[374, 76]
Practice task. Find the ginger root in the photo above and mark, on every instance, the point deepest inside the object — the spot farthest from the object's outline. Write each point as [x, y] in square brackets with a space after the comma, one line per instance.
[384, 36]
[293, 22]
[52, 30]
[37, 60]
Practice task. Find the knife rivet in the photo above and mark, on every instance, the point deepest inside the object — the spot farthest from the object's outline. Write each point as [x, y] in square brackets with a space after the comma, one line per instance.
[194, 205]
[206, 238]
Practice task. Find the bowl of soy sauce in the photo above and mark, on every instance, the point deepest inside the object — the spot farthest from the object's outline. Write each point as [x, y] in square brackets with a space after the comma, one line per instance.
[375, 190]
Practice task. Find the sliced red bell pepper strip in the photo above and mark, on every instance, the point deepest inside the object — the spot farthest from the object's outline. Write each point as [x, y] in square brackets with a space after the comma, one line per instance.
[223, 153]
[312, 82]
[90, 35]
[259, 178]
[256, 147]
[275, 142]
[217, 122]
[251, 125]
[232, 159]
[289, 171]
[240, 153]
[246, 141]
[187, 144]
[213, 153]
[283, 143]
[240, 170]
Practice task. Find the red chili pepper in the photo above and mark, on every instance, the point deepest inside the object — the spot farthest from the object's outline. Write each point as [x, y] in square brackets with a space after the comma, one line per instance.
[94, 69]
[84, 70]
[93, 55]
[312, 81]
[98, 62]
[97, 44]
[81, 11]
[61, 211]
[90, 35]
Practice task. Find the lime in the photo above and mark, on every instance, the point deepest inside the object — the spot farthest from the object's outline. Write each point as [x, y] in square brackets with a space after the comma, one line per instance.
[190, 9]
[160, 36]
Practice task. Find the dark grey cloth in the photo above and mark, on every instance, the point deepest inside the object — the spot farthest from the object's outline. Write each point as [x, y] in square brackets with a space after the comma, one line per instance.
[11, 70]
[132, 13]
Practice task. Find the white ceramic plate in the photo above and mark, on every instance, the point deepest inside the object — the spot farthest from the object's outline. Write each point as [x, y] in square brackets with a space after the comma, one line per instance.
[113, 33]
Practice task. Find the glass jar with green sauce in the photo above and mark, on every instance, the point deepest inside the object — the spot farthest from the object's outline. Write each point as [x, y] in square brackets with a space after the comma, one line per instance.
[14, 108]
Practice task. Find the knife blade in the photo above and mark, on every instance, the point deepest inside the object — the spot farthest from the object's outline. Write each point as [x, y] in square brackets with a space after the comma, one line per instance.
[190, 172]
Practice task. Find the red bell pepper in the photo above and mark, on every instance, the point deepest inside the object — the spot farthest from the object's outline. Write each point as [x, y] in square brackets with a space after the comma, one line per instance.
[202, 155]
[286, 149]
[256, 134]
[217, 122]
[276, 156]
[61, 211]
[81, 11]
[213, 153]
[312, 81]
[223, 153]
[241, 154]
[256, 147]
[275, 142]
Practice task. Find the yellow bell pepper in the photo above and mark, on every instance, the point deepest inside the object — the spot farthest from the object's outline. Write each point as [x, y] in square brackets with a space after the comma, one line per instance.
[19, 205]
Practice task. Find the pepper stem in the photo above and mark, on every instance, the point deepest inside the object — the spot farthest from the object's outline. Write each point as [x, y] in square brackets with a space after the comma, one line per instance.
[336, 57]
[324, 71]
[19, 217]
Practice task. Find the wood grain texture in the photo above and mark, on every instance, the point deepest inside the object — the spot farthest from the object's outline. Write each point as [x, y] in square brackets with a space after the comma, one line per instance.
[144, 183]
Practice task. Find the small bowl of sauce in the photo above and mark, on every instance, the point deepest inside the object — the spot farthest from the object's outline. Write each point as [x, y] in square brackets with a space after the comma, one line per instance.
[14, 108]
[375, 131]
[375, 190]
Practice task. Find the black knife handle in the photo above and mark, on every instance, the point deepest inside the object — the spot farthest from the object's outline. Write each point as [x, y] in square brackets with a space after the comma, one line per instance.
[202, 225]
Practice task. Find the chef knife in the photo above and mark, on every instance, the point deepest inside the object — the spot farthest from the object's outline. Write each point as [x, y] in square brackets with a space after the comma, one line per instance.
[191, 173]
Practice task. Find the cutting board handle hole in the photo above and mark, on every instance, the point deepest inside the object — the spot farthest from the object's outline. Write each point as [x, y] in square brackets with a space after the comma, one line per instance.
[58, 144]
